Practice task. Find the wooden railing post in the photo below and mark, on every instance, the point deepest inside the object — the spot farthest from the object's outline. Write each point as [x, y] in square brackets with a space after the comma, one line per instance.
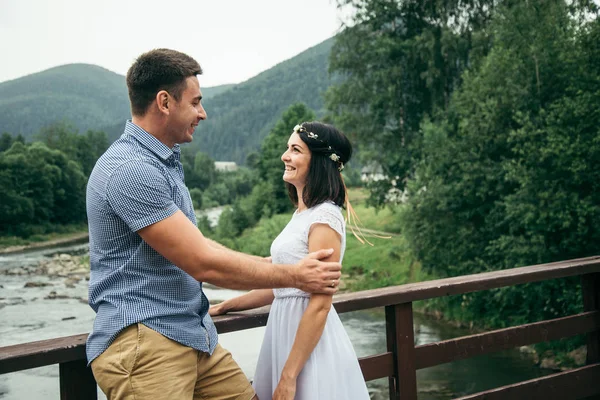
[401, 343]
[392, 347]
[590, 286]
[77, 381]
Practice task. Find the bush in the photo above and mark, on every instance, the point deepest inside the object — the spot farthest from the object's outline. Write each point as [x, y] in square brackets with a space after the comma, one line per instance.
[196, 195]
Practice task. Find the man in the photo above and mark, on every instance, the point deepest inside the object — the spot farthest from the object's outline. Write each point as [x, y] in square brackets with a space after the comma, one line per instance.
[152, 337]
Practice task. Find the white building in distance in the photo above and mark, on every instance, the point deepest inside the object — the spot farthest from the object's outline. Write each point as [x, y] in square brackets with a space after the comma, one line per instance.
[225, 166]
[372, 172]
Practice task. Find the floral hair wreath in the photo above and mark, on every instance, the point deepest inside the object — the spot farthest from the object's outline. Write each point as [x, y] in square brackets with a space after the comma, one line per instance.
[333, 156]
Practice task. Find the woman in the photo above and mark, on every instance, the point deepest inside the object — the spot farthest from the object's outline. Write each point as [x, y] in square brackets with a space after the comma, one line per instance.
[306, 353]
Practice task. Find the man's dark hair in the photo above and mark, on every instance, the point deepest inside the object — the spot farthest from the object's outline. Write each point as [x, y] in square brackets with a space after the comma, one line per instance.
[156, 70]
[324, 180]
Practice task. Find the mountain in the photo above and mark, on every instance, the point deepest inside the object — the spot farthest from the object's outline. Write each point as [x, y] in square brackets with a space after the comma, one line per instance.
[239, 116]
[212, 91]
[86, 95]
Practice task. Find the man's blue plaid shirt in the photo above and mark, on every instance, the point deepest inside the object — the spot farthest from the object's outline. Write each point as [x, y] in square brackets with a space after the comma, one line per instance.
[137, 182]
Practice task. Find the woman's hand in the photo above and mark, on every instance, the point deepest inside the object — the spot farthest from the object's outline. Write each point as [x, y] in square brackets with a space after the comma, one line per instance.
[285, 390]
[217, 309]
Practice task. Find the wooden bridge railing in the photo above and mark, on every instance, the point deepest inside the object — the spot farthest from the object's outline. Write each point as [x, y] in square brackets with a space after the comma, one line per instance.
[402, 358]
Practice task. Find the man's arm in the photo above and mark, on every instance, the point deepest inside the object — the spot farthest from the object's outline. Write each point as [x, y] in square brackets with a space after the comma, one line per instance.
[178, 240]
[217, 245]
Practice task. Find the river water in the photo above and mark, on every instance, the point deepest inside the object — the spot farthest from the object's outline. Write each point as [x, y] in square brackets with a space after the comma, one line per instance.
[57, 309]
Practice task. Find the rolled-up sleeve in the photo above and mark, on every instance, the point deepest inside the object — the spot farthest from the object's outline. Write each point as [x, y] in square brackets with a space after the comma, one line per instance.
[140, 194]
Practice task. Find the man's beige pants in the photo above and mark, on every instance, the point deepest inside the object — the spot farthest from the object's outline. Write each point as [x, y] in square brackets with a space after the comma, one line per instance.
[142, 364]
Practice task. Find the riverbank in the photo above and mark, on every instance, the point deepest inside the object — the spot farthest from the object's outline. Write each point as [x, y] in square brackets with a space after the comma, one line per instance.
[11, 245]
[73, 234]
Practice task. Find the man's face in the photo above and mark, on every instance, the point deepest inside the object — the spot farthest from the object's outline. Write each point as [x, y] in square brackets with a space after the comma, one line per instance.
[186, 114]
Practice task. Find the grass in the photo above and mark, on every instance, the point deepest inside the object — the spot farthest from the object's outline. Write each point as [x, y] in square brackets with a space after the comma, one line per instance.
[388, 262]
[257, 240]
[384, 219]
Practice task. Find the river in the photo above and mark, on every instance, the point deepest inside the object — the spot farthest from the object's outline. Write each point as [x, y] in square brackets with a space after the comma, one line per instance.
[60, 309]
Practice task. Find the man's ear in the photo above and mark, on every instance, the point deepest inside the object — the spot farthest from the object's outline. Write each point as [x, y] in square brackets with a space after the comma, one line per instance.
[162, 101]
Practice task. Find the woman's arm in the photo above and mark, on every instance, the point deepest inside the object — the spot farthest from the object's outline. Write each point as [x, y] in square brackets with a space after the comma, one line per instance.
[252, 299]
[313, 320]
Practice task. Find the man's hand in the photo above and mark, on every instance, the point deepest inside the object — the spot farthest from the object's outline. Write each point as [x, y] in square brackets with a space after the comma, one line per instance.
[316, 276]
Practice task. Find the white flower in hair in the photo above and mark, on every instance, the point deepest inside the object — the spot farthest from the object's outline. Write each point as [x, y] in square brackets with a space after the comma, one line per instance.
[300, 128]
[334, 157]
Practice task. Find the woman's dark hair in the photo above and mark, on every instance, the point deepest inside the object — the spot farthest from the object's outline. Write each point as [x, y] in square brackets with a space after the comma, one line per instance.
[324, 180]
[156, 70]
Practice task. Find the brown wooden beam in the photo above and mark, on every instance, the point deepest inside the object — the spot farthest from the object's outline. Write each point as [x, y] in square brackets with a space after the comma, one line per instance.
[377, 366]
[464, 284]
[470, 346]
[238, 321]
[574, 384]
[45, 352]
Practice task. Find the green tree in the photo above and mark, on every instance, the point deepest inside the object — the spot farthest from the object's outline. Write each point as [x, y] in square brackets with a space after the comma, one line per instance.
[16, 208]
[232, 223]
[187, 160]
[6, 140]
[198, 167]
[89, 148]
[216, 195]
[401, 61]
[508, 177]
[239, 183]
[196, 195]
[204, 167]
[49, 191]
[60, 135]
[351, 176]
[83, 149]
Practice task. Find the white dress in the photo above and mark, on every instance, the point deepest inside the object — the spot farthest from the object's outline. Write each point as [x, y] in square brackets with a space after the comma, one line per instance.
[332, 371]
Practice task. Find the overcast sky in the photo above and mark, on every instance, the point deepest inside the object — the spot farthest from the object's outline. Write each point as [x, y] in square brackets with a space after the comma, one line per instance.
[232, 39]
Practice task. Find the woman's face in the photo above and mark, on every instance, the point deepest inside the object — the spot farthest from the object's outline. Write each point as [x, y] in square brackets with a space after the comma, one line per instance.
[297, 160]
